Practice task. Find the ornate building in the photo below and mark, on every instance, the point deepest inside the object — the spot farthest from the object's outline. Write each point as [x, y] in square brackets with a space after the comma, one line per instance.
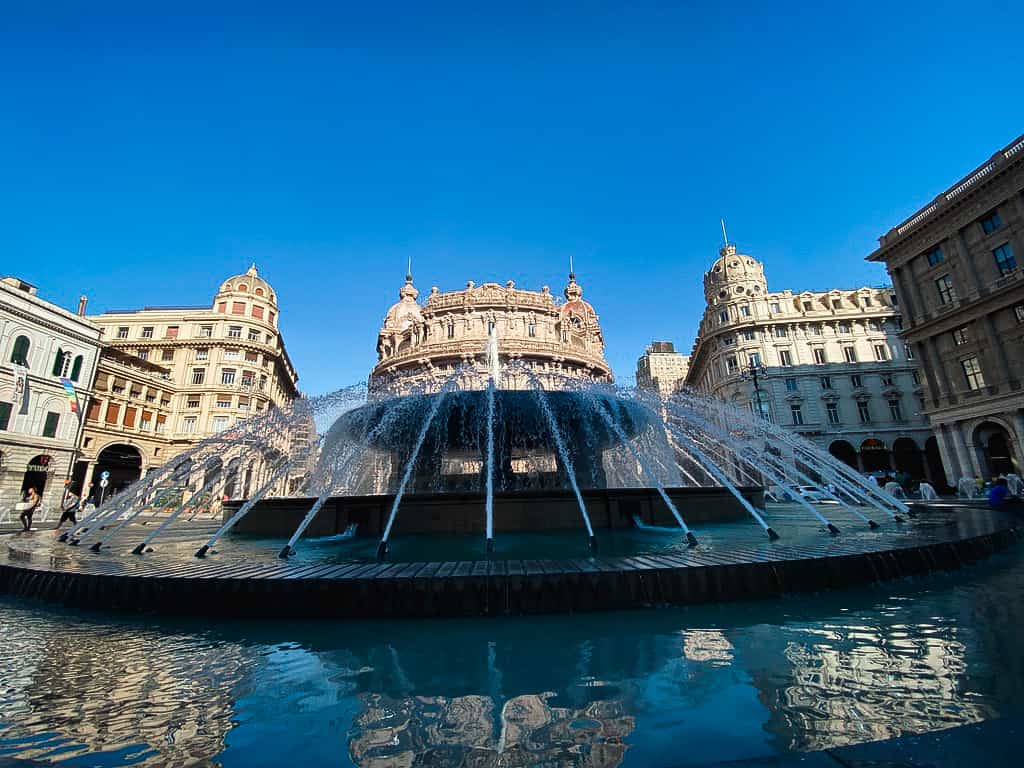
[40, 344]
[955, 266]
[661, 368]
[422, 344]
[200, 371]
[829, 364]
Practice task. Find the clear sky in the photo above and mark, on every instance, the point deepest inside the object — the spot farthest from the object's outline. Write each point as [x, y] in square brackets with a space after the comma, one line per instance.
[145, 156]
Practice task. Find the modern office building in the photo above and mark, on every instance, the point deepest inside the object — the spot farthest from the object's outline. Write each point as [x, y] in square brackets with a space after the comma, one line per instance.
[955, 267]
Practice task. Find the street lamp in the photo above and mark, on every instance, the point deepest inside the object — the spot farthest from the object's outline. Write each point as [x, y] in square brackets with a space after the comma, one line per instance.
[755, 371]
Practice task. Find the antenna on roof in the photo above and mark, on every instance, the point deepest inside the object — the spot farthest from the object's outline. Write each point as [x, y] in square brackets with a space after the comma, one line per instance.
[408, 271]
[725, 235]
[572, 274]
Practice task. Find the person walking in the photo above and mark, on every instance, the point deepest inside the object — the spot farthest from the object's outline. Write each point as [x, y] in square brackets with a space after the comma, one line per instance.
[69, 509]
[29, 506]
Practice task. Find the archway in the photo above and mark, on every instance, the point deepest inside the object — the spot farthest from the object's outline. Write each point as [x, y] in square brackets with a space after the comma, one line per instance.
[874, 455]
[845, 452]
[993, 442]
[906, 457]
[37, 473]
[934, 459]
[123, 462]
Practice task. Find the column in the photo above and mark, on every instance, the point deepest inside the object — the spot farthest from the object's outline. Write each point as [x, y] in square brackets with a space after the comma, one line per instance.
[909, 307]
[947, 454]
[999, 349]
[968, 460]
[965, 257]
[1018, 427]
[942, 375]
[915, 291]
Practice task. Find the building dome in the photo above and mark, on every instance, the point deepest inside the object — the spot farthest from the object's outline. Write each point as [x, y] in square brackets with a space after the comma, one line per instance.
[734, 276]
[247, 295]
[403, 326]
[578, 316]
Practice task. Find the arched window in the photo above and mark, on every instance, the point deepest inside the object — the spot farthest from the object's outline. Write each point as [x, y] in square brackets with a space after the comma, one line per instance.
[58, 363]
[76, 368]
[19, 354]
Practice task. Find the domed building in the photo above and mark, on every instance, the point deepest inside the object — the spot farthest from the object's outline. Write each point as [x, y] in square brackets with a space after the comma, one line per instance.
[419, 346]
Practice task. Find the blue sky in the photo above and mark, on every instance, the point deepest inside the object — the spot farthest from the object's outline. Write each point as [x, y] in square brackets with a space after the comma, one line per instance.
[147, 155]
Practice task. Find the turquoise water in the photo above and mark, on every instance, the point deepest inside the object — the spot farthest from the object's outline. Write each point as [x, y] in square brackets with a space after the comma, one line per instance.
[686, 686]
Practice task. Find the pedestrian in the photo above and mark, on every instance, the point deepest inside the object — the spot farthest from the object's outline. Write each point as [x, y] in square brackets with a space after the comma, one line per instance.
[998, 493]
[28, 508]
[69, 509]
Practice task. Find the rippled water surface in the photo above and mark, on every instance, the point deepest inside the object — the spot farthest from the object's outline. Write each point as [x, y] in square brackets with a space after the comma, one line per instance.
[681, 686]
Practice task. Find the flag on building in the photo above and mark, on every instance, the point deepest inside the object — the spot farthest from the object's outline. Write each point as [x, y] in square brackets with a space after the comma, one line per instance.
[69, 390]
[21, 388]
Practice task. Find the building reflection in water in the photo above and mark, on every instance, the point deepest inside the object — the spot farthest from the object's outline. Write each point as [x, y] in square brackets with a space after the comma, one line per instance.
[599, 690]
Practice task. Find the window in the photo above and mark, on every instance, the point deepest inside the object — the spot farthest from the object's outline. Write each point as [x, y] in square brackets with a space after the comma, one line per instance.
[243, 403]
[1018, 313]
[129, 417]
[881, 352]
[819, 356]
[798, 415]
[785, 358]
[257, 311]
[961, 336]
[972, 373]
[855, 382]
[223, 402]
[222, 307]
[751, 335]
[188, 424]
[76, 368]
[531, 330]
[146, 421]
[850, 354]
[991, 223]
[60, 362]
[192, 402]
[263, 383]
[868, 302]
[807, 306]
[908, 351]
[731, 365]
[776, 307]
[172, 332]
[754, 358]
[887, 380]
[723, 316]
[832, 410]
[816, 330]
[744, 311]
[837, 303]
[729, 341]
[220, 423]
[934, 256]
[122, 332]
[5, 415]
[451, 330]
[143, 354]
[944, 285]
[863, 413]
[167, 355]
[873, 325]
[227, 376]
[234, 331]
[50, 426]
[238, 308]
[147, 332]
[791, 385]
[205, 331]
[1005, 259]
[895, 410]
[251, 357]
[253, 335]
[780, 332]
[113, 413]
[198, 375]
[826, 382]
[845, 329]
[232, 354]
[916, 377]
[202, 353]
[247, 379]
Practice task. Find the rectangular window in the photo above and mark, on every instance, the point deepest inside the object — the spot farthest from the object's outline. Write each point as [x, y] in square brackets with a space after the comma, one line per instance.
[167, 355]
[5, 415]
[991, 223]
[227, 376]
[147, 332]
[826, 382]
[263, 383]
[807, 306]
[188, 424]
[1005, 259]
[819, 356]
[776, 307]
[531, 330]
[832, 409]
[202, 353]
[232, 354]
[972, 373]
[961, 336]
[257, 311]
[754, 358]
[172, 332]
[198, 375]
[917, 379]
[744, 311]
[222, 307]
[247, 379]
[122, 332]
[895, 410]
[723, 316]
[223, 402]
[50, 427]
[251, 357]
[253, 335]
[850, 354]
[816, 330]
[855, 382]
[785, 358]
[863, 413]
[751, 335]
[780, 332]
[908, 351]
[146, 422]
[234, 331]
[206, 331]
[730, 364]
[845, 329]
[934, 256]
[881, 352]
[129, 416]
[791, 385]
[868, 302]
[192, 402]
[161, 422]
[143, 354]
[220, 423]
[1018, 313]
[944, 285]
[887, 380]
[271, 318]
[243, 403]
[113, 412]
[238, 308]
[798, 415]
[873, 325]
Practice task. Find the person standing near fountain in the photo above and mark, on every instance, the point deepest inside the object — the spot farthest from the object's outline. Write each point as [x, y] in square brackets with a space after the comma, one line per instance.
[999, 494]
[69, 509]
[29, 506]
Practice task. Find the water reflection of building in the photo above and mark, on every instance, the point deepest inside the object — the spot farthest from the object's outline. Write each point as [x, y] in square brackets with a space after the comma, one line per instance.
[419, 343]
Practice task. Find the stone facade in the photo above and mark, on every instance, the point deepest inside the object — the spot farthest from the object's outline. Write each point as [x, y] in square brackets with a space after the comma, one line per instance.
[955, 266]
[834, 367]
[203, 370]
[38, 442]
[661, 368]
[421, 345]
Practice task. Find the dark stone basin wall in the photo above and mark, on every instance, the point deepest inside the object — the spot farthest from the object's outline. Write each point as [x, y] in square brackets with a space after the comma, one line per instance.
[464, 513]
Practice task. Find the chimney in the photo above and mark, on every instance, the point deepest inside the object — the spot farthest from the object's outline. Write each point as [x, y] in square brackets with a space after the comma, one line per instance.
[82, 301]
